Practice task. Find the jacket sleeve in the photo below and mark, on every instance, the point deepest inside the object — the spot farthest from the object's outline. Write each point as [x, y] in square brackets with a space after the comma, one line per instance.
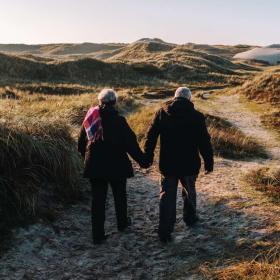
[152, 137]
[82, 142]
[205, 147]
[131, 144]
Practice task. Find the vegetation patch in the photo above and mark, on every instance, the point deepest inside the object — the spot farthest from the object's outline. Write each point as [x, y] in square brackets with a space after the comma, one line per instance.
[265, 266]
[141, 120]
[265, 87]
[265, 179]
[36, 160]
[229, 142]
[272, 120]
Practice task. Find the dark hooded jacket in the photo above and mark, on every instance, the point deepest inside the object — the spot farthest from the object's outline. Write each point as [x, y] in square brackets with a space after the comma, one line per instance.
[183, 136]
[108, 158]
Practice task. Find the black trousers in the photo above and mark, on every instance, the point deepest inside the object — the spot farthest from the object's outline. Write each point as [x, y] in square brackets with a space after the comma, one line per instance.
[99, 195]
[168, 199]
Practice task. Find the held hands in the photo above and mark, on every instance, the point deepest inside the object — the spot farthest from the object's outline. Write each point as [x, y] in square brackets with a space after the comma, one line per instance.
[146, 162]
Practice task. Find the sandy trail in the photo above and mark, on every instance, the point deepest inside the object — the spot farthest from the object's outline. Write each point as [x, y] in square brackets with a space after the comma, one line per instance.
[233, 109]
[232, 221]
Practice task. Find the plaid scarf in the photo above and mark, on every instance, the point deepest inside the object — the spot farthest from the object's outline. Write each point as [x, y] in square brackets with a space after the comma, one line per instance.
[93, 125]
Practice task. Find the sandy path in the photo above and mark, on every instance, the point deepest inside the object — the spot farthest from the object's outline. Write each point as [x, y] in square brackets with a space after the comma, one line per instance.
[232, 220]
[231, 108]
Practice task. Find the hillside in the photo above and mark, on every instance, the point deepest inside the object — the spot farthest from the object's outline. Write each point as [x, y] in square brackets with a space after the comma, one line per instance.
[58, 49]
[179, 61]
[14, 68]
[136, 63]
[264, 87]
[220, 50]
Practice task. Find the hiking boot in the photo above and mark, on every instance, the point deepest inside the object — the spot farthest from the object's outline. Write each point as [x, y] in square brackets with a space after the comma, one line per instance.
[191, 221]
[165, 239]
[99, 241]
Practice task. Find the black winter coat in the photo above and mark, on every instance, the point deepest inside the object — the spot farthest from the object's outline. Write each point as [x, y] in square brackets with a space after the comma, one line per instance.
[108, 158]
[183, 135]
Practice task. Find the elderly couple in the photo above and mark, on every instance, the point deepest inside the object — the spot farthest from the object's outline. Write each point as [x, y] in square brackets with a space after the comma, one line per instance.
[106, 140]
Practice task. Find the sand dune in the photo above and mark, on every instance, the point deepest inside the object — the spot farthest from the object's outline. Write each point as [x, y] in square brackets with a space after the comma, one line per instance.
[269, 54]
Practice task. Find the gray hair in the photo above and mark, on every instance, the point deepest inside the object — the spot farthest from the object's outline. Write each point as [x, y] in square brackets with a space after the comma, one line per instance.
[107, 96]
[183, 92]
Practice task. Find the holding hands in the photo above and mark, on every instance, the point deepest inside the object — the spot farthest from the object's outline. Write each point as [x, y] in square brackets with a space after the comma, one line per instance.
[147, 161]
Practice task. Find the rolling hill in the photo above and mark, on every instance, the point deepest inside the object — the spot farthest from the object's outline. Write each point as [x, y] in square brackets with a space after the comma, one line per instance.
[106, 50]
[264, 87]
[146, 60]
[14, 68]
[58, 49]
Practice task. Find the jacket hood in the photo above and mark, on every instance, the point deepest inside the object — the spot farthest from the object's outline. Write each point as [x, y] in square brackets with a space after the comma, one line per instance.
[179, 107]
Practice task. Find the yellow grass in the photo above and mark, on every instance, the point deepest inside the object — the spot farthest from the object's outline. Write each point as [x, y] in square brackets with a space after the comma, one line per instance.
[264, 267]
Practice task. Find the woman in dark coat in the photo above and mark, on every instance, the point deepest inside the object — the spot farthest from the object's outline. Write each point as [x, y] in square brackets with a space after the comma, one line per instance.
[105, 142]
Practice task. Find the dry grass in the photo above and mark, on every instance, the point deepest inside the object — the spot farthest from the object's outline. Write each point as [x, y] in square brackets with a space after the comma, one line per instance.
[141, 120]
[230, 142]
[33, 157]
[264, 267]
[265, 179]
[265, 87]
[272, 120]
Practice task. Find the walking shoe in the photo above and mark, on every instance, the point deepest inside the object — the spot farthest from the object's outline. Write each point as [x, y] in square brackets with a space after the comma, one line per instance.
[128, 223]
[165, 239]
[191, 221]
[98, 241]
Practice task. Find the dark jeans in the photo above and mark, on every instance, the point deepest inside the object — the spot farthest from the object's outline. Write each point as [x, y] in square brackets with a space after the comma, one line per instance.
[168, 198]
[99, 194]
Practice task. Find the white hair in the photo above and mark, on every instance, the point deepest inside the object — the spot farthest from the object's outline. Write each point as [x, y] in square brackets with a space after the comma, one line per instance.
[183, 92]
[107, 95]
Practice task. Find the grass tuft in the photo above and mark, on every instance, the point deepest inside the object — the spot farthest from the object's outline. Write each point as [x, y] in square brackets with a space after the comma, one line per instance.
[230, 142]
[33, 158]
[265, 266]
[265, 179]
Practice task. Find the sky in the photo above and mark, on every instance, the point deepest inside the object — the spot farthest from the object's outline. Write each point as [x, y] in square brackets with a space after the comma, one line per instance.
[255, 22]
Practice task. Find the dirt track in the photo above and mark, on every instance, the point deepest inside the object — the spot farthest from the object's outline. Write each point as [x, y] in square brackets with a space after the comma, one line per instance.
[232, 222]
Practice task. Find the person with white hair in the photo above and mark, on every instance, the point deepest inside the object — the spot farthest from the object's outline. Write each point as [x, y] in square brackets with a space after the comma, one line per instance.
[105, 142]
[183, 138]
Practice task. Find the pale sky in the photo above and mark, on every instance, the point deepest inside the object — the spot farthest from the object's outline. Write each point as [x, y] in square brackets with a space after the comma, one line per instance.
[255, 22]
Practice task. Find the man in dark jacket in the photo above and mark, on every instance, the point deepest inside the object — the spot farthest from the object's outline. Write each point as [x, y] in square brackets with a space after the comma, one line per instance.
[104, 142]
[183, 136]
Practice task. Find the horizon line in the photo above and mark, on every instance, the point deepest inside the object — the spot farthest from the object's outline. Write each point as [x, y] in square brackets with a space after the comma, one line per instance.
[131, 42]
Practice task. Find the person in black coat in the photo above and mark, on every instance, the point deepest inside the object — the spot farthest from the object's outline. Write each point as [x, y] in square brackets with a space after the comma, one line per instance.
[106, 160]
[183, 138]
